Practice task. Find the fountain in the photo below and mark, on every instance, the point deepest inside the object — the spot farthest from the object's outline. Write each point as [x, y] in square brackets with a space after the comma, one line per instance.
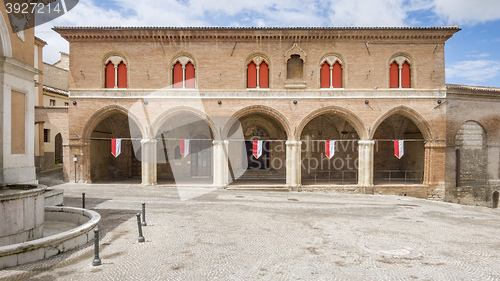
[31, 231]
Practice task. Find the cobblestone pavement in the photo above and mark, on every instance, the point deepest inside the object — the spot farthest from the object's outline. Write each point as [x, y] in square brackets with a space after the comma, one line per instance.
[256, 235]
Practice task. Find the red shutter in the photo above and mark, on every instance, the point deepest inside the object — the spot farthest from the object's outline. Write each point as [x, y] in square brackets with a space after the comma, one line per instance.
[122, 75]
[263, 75]
[394, 75]
[337, 75]
[189, 75]
[325, 75]
[252, 76]
[405, 75]
[177, 73]
[110, 75]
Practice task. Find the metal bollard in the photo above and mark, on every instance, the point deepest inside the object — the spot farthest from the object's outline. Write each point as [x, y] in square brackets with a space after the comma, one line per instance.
[97, 260]
[141, 238]
[144, 214]
[83, 200]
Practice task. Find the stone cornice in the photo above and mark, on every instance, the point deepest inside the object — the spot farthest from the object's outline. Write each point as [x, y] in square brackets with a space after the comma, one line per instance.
[466, 91]
[365, 34]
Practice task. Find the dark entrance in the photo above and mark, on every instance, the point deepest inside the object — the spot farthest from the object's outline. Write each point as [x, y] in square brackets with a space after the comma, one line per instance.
[495, 199]
[58, 148]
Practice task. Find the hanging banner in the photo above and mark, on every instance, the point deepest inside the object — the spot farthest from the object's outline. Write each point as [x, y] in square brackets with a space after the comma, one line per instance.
[330, 148]
[184, 148]
[257, 148]
[399, 148]
[116, 147]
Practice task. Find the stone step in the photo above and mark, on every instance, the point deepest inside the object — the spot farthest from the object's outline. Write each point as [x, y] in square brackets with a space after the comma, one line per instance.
[259, 188]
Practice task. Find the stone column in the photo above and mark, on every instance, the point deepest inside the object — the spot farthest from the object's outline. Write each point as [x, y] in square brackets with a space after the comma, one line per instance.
[220, 163]
[365, 164]
[293, 165]
[149, 162]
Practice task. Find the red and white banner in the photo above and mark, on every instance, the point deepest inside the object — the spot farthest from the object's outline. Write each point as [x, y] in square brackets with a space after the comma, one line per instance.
[399, 148]
[257, 148]
[330, 148]
[116, 147]
[184, 148]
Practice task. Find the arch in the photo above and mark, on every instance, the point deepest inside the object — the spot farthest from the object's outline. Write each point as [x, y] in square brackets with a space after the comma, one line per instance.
[252, 62]
[105, 112]
[348, 115]
[257, 109]
[183, 70]
[401, 65]
[108, 62]
[453, 136]
[160, 120]
[183, 58]
[6, 47]
[409, 113]
[495, 196]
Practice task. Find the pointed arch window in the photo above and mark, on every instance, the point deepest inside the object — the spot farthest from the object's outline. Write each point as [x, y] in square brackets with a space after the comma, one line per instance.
[257, 73]
[183, 73]
[331, 73]
[115, 73]
[400, 73]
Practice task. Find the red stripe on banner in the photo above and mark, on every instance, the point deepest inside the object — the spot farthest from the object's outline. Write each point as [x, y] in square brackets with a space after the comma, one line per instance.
[113, 147]
[327, 148]
[399, 148]
[255, 148]
[182, 148]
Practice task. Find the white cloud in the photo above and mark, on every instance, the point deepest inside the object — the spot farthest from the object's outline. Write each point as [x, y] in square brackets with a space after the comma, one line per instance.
[474, 70]
[467, 11]
[367, 13]
[482, 55]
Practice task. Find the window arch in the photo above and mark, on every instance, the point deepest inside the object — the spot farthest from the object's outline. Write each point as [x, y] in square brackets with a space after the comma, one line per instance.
[400, 73]
[258, 73]
[183, 73]
[115, 72]
[331, 73]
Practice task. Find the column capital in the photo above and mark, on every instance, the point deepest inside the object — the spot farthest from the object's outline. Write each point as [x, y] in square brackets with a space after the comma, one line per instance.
[366, 142]
[146, 141]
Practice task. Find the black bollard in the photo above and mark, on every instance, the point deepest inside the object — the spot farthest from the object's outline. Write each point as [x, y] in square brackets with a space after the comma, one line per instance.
[144, 214]
[141, 238]
[83, 200]
[97, 260]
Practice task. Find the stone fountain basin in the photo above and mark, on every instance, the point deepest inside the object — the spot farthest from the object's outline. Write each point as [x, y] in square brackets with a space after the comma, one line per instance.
[59, 217]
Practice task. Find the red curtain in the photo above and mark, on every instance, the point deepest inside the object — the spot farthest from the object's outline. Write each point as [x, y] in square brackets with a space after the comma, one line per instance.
[252, 76]
[325, 75]
[405, 75]
[263, 75]
[394, 75]
[189, 75]
[122, 75]
[177, 79]
[110, 75]
[337, 75]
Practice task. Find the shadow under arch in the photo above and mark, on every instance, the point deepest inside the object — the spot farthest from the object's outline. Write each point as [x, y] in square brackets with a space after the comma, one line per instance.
[160, 120]
[257, 109]
[106, 111]
[348, 115]
[409, 113]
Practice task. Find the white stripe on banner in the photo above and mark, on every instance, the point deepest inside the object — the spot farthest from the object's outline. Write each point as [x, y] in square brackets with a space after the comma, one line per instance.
[184, 148]
[257, 148]
[399, 148]
[330, 148]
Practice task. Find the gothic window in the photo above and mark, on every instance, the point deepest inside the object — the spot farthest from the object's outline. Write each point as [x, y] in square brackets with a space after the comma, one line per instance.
[400, 73]
[257, 73]
[183, 73]
[115, 73]
[295, 67]
[331, 73]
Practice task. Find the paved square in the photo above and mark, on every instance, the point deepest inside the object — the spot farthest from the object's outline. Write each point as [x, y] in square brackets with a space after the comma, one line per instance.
[256, 235]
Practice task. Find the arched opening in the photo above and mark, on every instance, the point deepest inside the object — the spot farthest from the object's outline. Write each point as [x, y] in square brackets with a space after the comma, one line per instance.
[103, 164]
[58, 149]
[495, 199]
[263, 159]
[472, 159]
[398, 162]
[184, 150]
[295, 67]
[329, 151]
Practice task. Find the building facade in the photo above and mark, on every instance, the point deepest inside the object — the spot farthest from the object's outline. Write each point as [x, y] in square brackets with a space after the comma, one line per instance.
[230, 107]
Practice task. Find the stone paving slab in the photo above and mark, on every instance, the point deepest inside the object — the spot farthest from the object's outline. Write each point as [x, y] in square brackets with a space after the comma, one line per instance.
[255, 235]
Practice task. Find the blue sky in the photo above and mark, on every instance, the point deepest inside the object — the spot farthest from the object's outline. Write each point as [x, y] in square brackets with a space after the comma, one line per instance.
[472, 55]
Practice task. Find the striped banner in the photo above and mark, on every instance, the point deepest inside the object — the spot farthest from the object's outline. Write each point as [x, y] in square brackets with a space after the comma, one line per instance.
[330, 148]
[257, 148]
[399, 148]
[184, 147]
[116, 147]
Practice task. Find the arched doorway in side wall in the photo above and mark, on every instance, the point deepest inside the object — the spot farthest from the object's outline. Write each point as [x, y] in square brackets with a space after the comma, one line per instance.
[408, 168]
[103, 164]
[184, 150]
[58, 149]
[495, 199]
[340, 167]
